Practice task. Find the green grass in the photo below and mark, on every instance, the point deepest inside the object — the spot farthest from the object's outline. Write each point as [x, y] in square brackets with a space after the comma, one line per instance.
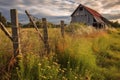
[84, 53]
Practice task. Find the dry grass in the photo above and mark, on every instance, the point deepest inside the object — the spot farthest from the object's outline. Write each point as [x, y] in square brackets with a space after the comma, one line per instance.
[93, 54]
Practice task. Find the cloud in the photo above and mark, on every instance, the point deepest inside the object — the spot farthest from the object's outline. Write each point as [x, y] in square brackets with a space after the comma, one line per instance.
[111, 4]
[112, 16]
[55, 10]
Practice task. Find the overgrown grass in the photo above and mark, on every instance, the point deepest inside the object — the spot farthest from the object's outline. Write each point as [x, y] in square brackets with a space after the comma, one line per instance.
[84, 54]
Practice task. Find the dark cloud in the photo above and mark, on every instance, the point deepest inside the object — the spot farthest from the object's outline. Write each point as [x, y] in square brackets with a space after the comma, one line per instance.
[57, 19]
[90, 3]
[111, 4]
[112, 16]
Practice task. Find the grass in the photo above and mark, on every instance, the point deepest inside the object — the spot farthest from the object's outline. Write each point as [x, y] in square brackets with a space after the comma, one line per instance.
[84, 54]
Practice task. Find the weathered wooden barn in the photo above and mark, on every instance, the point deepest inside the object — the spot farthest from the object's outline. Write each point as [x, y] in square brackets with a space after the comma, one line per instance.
[84, 14]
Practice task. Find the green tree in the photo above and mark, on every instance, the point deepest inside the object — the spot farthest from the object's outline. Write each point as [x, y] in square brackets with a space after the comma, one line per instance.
[115, 24]
[3, 20]
[9, 24]
[39, 24]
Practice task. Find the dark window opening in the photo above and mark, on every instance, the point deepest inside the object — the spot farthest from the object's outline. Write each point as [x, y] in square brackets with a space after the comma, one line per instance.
[94, 20]
[97, 25]
[81, 8]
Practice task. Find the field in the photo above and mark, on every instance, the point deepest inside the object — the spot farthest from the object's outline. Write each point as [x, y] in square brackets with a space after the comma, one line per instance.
[84, 54]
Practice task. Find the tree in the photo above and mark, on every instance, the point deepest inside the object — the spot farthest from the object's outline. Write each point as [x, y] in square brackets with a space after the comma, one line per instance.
[115, 24]
[9, 24]
[3, 20]
[39, 24]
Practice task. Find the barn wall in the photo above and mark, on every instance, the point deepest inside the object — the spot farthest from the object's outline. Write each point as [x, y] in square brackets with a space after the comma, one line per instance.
[89, 18]
[82, 17]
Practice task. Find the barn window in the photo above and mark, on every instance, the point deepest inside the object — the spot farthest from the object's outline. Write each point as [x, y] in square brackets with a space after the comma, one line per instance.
[94, 20]
[81, 8]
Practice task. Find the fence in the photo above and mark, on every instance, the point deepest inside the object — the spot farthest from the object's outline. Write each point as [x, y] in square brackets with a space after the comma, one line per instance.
[15, 36]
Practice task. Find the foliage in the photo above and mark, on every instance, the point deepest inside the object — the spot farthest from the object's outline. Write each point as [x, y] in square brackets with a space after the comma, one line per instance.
[38, 23]
[107, 52]
[3, 20]
[33, 67]
[77, 55]
[74, 57]
[115, 24]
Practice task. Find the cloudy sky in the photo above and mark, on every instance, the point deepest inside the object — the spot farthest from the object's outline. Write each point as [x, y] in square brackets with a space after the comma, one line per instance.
[56, 10]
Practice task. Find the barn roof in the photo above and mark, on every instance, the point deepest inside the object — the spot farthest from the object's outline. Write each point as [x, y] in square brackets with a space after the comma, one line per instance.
[95, 14]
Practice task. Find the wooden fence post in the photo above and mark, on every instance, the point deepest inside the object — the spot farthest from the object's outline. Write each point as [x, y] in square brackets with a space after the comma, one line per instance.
[62, 28]
[15, 32]
[45, 35]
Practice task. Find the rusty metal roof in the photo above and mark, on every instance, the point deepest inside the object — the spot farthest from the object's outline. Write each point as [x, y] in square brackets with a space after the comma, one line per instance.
[95, 14]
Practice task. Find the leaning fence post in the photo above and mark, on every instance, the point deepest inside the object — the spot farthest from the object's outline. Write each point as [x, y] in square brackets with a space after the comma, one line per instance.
[15, 32]
[62, 28]
[45, 35]
[34, 24]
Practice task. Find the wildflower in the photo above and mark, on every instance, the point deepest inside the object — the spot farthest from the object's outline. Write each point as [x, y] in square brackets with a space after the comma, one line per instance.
[59, 69]
[39, 64]
[68, 62]
[55, 63]
[50, 77]
[17, 68]
[70, 69]
[44, 77]
[46, 58]
[48, 67]
[75, 77]
[42, 69]
[62, 71]
[64, 78]
[65, 69]
[19, 56]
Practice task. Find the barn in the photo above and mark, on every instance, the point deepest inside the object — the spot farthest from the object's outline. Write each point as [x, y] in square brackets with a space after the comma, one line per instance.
[84, 14]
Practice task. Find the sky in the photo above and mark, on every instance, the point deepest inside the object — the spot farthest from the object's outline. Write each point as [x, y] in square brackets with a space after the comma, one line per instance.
[56, 10]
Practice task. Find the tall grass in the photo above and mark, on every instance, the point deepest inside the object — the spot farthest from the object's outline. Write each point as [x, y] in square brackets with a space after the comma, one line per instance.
[34, 67]
[77, 55]
[84, 54]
